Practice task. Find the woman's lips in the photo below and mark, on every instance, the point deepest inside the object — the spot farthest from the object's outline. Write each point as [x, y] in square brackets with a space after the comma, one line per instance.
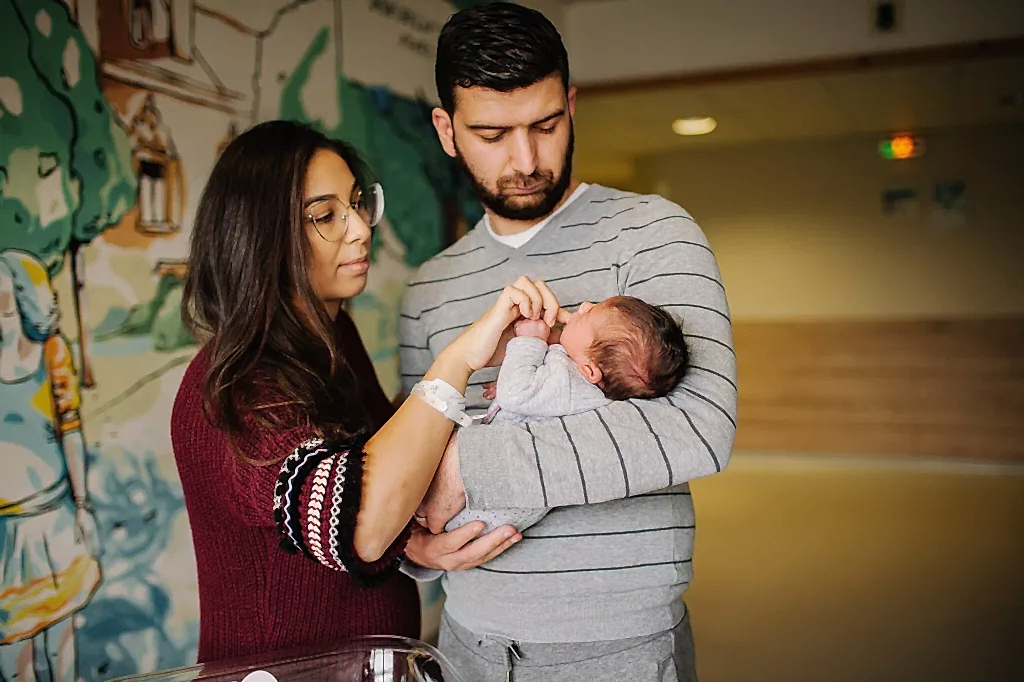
[356, 267]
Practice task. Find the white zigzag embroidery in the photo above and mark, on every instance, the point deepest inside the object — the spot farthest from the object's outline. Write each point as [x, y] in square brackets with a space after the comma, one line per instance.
[339, 485]
[290, 486]
[323, 471]
[296, 454]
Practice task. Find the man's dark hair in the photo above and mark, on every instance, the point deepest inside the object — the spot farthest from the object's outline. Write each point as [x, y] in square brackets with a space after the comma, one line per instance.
[644, 355]
[500, 46]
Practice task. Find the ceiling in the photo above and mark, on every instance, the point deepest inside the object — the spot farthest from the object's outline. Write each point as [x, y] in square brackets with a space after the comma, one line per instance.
[615, 129]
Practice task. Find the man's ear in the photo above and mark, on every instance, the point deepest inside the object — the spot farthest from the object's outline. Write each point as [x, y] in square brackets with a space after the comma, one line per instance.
[445, 130]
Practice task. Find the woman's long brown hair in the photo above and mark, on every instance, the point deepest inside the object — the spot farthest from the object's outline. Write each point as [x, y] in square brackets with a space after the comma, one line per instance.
[272, 349]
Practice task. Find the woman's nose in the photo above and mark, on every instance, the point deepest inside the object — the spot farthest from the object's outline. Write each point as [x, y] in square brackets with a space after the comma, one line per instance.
[357, 229]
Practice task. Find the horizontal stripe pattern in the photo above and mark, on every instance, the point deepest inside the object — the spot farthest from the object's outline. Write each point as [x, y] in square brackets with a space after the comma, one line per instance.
[620, 538]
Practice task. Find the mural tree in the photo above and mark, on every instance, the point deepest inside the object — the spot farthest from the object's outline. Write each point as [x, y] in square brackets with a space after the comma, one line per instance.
[65, 176]
[65, 162]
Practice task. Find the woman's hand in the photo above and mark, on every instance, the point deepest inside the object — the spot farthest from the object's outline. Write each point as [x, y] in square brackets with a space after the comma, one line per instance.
[479, 345]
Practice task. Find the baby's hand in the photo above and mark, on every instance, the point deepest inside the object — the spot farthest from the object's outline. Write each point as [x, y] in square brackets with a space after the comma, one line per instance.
[535, 328]
[490, 390]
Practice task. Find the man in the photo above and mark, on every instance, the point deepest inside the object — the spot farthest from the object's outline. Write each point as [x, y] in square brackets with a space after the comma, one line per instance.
[593, 591]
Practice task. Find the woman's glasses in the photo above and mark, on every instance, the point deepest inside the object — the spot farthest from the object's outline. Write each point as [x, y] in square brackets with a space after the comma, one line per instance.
[330, 216]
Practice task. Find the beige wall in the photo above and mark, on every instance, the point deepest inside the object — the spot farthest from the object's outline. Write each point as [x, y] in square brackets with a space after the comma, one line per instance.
[800, 233]
[626, 39]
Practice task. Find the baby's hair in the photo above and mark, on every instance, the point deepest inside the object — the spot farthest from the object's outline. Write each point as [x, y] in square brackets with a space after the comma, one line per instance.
[644, 353]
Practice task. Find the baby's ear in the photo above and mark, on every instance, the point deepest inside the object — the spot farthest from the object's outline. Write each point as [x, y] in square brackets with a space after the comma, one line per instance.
[591, 372]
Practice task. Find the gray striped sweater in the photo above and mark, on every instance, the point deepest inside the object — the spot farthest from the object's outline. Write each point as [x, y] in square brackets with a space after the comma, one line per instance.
[613, 558]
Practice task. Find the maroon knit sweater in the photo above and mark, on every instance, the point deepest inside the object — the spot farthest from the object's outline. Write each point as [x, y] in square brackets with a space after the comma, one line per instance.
[273, 544]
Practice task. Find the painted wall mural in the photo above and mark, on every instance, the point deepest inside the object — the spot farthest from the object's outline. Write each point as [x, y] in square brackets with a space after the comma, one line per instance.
[112, 112]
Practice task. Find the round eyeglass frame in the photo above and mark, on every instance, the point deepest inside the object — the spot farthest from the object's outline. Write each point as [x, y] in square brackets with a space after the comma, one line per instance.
[372, 220]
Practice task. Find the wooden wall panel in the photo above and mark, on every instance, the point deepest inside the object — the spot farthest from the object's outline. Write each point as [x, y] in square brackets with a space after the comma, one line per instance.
[922, 388]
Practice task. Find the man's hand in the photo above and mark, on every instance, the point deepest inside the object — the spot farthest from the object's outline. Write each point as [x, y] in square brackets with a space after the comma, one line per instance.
[445, 497]
[538, 329]
[458, 550]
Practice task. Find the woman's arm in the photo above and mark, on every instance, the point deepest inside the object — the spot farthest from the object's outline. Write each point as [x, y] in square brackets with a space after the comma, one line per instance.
[349, 504]
[402, 456]
[400, 461]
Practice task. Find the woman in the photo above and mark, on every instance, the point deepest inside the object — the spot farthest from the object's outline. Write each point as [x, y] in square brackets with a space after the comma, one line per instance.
[300, 479]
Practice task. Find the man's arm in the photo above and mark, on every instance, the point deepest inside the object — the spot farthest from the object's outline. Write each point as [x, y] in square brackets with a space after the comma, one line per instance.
[635, 446]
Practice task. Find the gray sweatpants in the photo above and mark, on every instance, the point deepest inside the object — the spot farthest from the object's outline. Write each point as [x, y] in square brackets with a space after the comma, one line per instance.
[663, 657]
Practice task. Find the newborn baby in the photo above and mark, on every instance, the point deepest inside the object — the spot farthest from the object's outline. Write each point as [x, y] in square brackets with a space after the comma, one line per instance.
[618, 349]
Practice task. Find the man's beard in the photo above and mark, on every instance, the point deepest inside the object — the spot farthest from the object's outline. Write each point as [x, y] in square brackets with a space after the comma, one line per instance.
[546, 197]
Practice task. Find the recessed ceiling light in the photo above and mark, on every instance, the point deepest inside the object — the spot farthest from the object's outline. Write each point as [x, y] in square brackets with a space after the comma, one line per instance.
[694, 125]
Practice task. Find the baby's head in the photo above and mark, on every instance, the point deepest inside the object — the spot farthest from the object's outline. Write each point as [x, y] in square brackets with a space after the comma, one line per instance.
[629, 348]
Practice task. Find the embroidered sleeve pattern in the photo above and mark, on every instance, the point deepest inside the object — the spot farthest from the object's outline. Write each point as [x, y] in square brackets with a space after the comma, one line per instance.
[316, 502]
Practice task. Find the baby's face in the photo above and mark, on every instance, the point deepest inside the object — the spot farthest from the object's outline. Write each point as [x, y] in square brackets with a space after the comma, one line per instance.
[583, 328]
